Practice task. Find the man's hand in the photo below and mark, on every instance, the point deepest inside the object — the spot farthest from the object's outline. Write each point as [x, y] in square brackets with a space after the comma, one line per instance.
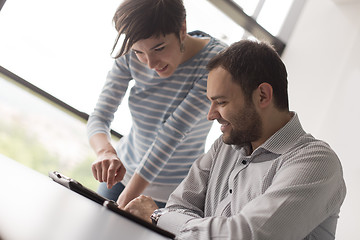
[134, 188]
[108, 168]
[142, 206]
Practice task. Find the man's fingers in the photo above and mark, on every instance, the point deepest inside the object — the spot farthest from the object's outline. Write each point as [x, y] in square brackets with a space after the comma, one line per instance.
[142, 206]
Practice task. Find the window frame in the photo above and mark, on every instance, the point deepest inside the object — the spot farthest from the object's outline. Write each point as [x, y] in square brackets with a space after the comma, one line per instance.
[228, 7]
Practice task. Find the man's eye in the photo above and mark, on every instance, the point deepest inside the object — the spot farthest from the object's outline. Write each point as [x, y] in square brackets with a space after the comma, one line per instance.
[220, 102]
[137, 52]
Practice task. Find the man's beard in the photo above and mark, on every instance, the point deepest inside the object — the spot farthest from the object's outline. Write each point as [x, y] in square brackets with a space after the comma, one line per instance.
[246, 126]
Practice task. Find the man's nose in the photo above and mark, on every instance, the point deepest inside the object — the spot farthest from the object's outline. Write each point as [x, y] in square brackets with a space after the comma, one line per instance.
[213, 113]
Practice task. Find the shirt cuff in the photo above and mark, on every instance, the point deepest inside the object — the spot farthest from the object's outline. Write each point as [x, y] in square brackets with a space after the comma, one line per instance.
[173, 221]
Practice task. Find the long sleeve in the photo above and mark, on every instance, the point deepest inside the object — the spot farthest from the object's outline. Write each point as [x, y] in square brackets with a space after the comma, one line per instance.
[175, 128]
[169, 118]
[289, 188]
[110, 98]
[169, 115]
[189, 198]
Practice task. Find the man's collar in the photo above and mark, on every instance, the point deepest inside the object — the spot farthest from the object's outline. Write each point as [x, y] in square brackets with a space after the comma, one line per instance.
[281, 141]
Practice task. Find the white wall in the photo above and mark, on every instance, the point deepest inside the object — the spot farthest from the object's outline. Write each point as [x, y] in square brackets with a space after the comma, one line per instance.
[323, 62]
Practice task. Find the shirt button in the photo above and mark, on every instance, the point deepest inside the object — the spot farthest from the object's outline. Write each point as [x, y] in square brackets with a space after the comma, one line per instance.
[230, 191]
[244, 162]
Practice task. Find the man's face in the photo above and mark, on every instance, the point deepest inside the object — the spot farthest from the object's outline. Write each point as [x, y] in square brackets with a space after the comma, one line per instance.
[240, 122]
[159, 53]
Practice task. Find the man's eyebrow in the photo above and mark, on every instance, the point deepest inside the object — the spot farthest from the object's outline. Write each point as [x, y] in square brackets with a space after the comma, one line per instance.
[217, 97]
[157, 45]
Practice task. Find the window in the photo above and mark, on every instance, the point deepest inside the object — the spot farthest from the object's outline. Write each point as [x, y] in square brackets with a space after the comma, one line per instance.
[63, 47]
[41, 136]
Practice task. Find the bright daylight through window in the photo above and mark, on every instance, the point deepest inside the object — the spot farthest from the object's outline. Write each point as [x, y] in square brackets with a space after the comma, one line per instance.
[63, 47]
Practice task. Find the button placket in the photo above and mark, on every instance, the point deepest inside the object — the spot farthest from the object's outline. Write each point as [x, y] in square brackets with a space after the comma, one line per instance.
[237, 169]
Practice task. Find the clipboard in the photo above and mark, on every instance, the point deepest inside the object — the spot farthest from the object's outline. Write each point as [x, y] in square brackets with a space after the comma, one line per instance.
[109, 204]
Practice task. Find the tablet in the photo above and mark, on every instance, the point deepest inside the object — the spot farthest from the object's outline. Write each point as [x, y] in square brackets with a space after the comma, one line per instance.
[109, 204]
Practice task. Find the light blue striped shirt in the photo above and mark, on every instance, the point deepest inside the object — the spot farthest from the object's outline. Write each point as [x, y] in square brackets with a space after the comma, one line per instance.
[169, 125]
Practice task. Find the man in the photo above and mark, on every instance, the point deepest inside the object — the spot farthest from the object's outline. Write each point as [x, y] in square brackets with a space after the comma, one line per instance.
[264, 178]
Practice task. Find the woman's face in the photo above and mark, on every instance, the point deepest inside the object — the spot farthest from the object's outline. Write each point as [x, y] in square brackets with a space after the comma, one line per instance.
[159, 53]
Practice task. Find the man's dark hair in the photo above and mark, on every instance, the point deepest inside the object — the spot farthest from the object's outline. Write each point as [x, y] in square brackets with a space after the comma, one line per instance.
[142, 19]
[251, 63]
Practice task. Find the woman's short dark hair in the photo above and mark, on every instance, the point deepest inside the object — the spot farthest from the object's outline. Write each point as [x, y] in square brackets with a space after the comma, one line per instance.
[142, 19]
[251, 63]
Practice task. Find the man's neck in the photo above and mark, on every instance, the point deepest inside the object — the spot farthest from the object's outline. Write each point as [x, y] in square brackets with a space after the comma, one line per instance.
[271, 125]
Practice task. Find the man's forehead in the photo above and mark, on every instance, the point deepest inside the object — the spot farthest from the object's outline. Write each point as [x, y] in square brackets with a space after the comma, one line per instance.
[219, 83]
[219, 76]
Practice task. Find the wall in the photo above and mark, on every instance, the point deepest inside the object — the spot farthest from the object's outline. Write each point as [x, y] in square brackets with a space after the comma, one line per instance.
[323, 62]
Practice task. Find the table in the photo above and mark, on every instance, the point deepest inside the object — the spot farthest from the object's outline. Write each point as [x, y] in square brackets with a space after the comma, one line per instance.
[34, 207]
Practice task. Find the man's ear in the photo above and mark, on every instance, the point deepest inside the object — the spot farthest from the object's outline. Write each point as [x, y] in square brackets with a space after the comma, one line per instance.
[264, 94]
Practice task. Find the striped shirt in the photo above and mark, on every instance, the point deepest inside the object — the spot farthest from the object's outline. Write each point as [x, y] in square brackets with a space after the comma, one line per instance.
[290, 187]
[169, 125]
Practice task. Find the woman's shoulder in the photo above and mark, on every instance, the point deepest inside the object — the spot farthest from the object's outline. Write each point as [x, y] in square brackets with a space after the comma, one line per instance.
[214, 43]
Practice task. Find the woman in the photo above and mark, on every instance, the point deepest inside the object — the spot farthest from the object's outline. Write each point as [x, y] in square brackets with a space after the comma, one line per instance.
[168, 102]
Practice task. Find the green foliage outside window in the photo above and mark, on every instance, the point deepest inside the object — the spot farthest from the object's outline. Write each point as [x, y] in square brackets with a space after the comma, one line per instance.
[17, 144]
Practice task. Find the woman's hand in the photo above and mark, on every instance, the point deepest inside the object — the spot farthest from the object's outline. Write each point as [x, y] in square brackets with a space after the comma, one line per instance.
[108, 168]
[142, 207]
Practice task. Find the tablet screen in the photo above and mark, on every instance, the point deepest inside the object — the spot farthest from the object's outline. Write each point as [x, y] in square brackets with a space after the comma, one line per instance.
[109, 204]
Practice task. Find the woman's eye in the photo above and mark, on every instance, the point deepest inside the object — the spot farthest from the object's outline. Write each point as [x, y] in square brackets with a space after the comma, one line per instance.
[159, 49]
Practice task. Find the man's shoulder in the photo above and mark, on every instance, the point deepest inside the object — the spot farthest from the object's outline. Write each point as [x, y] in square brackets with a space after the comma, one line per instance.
[311, 150]
[309, 143]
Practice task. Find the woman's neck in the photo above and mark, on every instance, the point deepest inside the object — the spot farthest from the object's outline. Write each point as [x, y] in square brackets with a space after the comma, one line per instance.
[192, 46]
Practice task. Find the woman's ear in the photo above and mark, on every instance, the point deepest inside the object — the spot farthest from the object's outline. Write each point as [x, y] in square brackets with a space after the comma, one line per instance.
[265, 94]
[183, 32]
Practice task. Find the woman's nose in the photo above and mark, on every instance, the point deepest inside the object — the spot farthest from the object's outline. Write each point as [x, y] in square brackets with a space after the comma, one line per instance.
[152, 61]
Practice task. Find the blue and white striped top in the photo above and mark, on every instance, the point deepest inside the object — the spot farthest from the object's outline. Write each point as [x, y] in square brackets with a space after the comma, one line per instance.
[169, 125]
